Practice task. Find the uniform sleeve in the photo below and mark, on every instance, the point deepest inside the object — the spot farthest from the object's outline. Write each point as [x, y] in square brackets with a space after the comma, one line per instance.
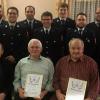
[17, 79]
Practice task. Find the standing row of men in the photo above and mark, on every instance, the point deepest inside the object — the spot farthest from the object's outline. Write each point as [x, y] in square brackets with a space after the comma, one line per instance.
[53, 34]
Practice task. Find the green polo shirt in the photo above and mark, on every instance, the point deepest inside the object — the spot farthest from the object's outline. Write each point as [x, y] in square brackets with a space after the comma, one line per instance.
[27, 66]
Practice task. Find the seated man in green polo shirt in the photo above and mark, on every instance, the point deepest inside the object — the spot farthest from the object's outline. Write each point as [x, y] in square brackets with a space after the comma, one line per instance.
[33, 64]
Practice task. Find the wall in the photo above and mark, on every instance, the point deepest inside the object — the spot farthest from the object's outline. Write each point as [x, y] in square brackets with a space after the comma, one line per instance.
[40, 5]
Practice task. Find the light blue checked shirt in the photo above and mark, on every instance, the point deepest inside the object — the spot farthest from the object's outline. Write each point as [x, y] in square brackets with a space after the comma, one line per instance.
[27, 66]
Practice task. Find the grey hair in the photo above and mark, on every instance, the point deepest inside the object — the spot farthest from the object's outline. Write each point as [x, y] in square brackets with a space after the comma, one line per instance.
[35, 40]
[75, 39]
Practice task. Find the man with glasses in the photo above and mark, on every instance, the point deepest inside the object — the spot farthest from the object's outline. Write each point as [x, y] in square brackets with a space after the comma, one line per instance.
[50, 37]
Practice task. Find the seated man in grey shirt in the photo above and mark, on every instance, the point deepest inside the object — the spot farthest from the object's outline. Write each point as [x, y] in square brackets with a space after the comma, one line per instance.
[33, 64]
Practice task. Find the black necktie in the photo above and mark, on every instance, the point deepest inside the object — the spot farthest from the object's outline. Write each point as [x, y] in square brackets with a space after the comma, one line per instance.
[46, 32]
[62, 22]
[11, 27]
[29, 25]
[46, 35]
[80, 31]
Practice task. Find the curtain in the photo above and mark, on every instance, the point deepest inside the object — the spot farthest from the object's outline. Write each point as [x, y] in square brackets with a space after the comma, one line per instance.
[86, 6]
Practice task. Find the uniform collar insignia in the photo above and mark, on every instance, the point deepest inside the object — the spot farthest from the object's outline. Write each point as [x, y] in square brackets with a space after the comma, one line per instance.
[17, 26]
[75, 30]
[42, 30]
[6, 26]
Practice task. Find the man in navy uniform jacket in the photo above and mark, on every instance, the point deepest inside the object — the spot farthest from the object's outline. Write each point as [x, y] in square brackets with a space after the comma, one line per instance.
[81, 31]
[50, 37]
[95, 27]
[30, 23]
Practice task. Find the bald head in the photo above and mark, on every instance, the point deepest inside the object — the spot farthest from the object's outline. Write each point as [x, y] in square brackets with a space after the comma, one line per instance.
[76, 41]
[76, 48]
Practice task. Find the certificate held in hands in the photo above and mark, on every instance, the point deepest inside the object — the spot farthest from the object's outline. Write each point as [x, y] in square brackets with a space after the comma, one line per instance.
[76, 89]
[33, 85]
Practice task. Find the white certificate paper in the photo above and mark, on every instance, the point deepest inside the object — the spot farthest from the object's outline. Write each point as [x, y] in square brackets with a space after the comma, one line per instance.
[76, 89]
[33, 85]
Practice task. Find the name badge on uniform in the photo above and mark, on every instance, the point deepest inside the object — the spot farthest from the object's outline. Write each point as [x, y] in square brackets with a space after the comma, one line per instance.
[33, 85]
[76, 89]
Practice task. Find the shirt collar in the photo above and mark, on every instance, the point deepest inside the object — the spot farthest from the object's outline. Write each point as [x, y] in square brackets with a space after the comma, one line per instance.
[96, 23]
[80, 28]
[81, 59]
[47, 29]
[12, 24]
[62, 18]
[30, 20]
[29, 58]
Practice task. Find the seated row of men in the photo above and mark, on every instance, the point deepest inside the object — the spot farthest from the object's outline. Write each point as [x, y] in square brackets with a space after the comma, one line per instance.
[54, 85]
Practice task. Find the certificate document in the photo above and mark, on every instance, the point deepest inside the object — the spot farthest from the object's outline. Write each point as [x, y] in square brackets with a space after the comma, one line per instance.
[76, 89]
[33, 85]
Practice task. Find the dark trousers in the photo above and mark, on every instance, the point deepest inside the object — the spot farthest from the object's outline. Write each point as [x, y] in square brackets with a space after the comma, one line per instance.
[47, 97]
[9, 93]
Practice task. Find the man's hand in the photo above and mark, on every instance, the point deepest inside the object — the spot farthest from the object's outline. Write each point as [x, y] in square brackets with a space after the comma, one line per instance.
[2, 96]
[43, 93]
[37, 98]
[10, 58]
[88, 99]
[21, 93]
[59, 95]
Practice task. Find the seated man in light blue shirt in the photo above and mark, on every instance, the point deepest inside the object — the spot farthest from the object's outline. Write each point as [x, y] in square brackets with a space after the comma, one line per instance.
[33, 64]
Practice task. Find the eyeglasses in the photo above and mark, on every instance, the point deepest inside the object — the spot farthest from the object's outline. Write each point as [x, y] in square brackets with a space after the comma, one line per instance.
[46, 19]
